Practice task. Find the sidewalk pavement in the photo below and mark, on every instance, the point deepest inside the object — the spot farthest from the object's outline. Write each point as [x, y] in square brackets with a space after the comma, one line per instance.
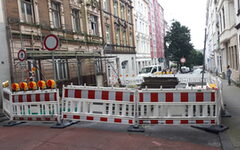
[231, 98]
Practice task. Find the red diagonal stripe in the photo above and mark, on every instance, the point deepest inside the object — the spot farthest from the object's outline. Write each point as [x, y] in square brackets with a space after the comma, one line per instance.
[213, 97]
[117, 120]
[184, 122]
[130, 121]
[105, 95]
[78, 94]
[213, 122]
[140, 97]
[169, 97]
[75, 117]
[131, 97]
[90, 118]
[66, 92]
[199, 121]
[47, 97]
[104, 119]
[154, 121]
[154, 97]
[47, 119]
[55, 96]
[29, 99]
[199, 97]
[20, 98]
[39, 119]
[184, 97]
[119, 96]
[91, 94]
[169, 121]
[37, 97]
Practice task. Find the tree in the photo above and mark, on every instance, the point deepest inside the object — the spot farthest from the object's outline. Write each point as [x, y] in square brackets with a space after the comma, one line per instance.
[177, 44]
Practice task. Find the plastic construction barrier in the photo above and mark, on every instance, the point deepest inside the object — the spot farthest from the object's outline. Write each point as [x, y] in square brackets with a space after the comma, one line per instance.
[179, 106]
[142, 107]
[38, 105]
[109, 105]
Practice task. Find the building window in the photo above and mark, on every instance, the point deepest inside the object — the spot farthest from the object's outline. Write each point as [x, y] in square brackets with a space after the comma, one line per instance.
[130, 39]
[220, 19]
[108, 35]
[27, 11]
[115, 6]
[56, 17]
[117, 36]
[129, 15]
[122, 11]
[238, 3]
[106, 5]
[61, 69]
[124, 38]
[94, 24]
[224, 22]
[133, 64]
[237, 58]
[76, 20]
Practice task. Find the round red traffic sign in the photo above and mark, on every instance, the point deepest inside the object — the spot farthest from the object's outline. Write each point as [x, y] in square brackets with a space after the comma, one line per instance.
[22, 55]
[183, 60]
[51, 42]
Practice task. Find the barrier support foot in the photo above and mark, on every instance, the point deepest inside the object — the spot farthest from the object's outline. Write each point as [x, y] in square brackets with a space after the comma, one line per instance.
[64, 124]
[13, 123]
[211, 128]
[225, 113]
[135, 128]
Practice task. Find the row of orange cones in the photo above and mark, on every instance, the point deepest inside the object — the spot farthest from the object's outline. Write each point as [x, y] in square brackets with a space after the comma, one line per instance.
[32, 85]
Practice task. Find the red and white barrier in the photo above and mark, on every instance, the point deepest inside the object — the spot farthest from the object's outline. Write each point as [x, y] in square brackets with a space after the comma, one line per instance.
[99, 104]
[38, 105]
[185, 106]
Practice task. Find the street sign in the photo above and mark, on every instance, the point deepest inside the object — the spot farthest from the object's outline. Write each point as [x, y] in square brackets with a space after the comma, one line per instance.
[22, 55]
[183, 60]
[51, 42]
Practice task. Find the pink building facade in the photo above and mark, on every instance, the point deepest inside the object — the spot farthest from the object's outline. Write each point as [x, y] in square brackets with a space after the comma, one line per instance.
[156, 30]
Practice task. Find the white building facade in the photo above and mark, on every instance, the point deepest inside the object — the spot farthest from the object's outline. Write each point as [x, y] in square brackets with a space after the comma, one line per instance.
[222, 44]
[142, 40]
[4, 57]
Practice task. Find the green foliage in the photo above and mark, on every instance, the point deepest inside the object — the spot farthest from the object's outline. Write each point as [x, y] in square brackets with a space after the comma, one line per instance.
[178, 44]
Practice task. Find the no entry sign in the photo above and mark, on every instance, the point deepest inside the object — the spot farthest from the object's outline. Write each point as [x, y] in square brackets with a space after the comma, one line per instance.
[51, 42]
[22, 55]
[183, 60]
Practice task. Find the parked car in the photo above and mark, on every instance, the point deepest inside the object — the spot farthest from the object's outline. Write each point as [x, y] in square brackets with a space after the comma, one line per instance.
[185, 69]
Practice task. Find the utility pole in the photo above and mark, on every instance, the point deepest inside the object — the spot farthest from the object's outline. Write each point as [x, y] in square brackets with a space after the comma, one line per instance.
[204, 51]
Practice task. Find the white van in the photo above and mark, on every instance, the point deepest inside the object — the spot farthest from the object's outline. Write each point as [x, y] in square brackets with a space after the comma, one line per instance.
[148, 71]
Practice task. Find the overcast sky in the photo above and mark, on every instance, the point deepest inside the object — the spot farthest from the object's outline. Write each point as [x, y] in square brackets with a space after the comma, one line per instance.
[190, 13]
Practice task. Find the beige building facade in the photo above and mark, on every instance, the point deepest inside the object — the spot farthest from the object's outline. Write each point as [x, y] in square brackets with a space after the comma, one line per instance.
[118, 33]
[77, 24]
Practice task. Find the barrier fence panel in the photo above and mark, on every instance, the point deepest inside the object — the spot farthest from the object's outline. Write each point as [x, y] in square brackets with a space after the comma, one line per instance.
[38, 105]
[7, 104]
[179, 106]
[110, 105]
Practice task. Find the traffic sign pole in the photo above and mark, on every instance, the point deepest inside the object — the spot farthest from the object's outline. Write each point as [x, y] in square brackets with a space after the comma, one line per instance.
[22, 57]
[54, 67]
[51, 43]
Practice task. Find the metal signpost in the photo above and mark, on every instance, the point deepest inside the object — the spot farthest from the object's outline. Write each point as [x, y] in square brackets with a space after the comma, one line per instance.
[22, 56]
[51, 43]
